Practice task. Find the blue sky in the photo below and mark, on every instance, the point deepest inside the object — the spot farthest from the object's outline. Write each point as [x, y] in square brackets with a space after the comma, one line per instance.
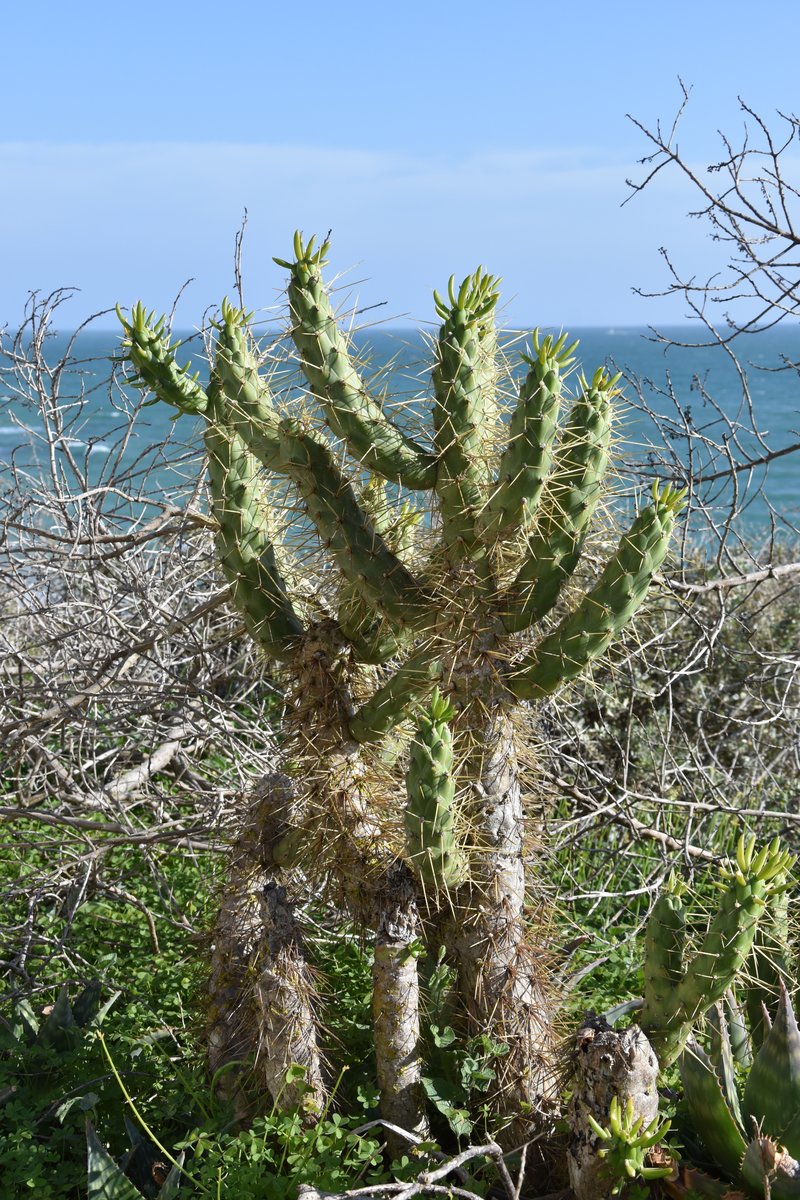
[429, 137]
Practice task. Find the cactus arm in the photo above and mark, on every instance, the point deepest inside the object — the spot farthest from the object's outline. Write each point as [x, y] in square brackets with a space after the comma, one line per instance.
[245, 547]
[772, 1092]
[361, 554]
[665, 938]
[410, 684]
[151, 353]
[724, 948]
[373, 638]
[570, 497]
[433, 850]
[710, 1115]
[248, 403]
[350, 412]
[586, 633]
[528, 457]
[461, 429]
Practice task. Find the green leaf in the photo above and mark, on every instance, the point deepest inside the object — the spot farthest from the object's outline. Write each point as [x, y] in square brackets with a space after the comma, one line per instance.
[106, 1181]
[772, 1092]
[710, 1114]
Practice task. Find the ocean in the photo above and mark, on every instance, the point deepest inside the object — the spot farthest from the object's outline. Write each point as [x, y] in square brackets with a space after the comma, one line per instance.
[695, 387]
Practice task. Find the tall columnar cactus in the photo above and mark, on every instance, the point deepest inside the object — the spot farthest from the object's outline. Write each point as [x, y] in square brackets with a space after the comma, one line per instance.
[680, 988]
[435, 555]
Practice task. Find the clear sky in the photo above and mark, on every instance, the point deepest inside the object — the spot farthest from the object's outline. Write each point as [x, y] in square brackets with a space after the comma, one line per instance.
[429, 137]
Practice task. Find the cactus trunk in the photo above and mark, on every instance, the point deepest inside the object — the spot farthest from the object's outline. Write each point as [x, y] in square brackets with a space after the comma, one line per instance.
[260, 1018]
[395, 1007]
[503, 973]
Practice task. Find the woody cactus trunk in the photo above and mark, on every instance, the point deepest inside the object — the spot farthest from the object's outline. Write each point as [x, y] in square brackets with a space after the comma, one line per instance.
[394, 575]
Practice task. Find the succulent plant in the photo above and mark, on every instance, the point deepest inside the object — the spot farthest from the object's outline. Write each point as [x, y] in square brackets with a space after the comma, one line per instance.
[753, 1136]
[426, 557]
[431, 839]
[679, 987]
[625, 1144]
[107, 1180]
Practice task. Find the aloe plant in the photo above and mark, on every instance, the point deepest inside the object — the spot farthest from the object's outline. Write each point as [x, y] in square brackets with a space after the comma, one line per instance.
[413, 560]
[752, 1134]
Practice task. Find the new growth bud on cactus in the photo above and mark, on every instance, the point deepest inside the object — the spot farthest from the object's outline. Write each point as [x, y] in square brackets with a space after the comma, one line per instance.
[680, 988]
[430, 819]
[752, 1136]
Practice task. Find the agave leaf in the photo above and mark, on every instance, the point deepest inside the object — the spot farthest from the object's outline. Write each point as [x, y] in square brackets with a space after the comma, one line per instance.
[791, 1136]
[770, 1171]
[710, 1113]
[87, 1005]
[106, 1181]
[772, 1092]
[721, 1056]
[59, 1030]
[173, 1180]
[737, 1028]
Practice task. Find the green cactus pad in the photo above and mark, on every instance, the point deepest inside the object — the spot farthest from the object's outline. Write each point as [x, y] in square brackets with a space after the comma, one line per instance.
[350, 412]
[665, 938]
[606, 610]
[749, 884]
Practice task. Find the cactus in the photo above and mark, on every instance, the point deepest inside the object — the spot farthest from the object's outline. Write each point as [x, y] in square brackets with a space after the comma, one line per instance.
[433, 558]
[431, 840]
[678, 990]
[753, 1137]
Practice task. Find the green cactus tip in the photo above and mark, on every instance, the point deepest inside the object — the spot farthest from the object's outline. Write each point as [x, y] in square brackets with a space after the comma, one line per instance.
[770, 865]
[550, 352]
[474, 300]
[305, 254]
[675, 886]
[439, 709]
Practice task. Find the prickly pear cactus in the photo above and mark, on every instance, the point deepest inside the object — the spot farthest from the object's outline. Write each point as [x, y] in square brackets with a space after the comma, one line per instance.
[413, 559]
